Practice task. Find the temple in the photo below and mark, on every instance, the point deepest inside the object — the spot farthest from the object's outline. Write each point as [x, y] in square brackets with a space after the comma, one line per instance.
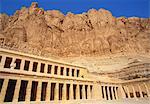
[28, 78]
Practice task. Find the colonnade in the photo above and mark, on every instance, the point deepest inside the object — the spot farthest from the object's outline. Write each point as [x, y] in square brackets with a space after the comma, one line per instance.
[18, 90]
[139, 90]
[109, 92]
[42, 67]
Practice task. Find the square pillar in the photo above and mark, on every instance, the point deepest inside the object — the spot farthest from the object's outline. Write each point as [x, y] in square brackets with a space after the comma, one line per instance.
[88, 92]
[108, 93]
[48, 92]
[52, 69]
[2, 62]
[100, 89]
[64, 93]
[31, 66]
[13, 64]
[141, 95]
[3, 90]
[147, 89]
[56, 95]
[28, 91]
[77, 92]
[39, 89]
[22, 65]
[58, 70]
[83, 91]
[133, 91]
[116, 93]
[112, 93]
[71, 91]
[75, 72]
[16, 92]
[128, 92]
[46, 68]
[38, 67]
[70, 72]
[65, 71]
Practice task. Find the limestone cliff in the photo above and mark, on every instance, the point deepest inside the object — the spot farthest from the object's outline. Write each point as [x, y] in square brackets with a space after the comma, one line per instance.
[94, 33]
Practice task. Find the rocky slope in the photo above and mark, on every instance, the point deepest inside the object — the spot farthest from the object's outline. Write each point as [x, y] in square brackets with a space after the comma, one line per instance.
[95, 33]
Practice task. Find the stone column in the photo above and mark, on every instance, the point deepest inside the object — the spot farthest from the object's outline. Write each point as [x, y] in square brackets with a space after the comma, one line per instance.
[3, 90]
[28, 91]
[95, 92]
[39, 88]
[83, 91]
[100, 91]
[13, 64]
[133, 91]
[48, 92]
[77, 92]
[116, 93]
[56, 95]
[64, 93]
[147, 89]
[52, 69]
[65, 71]
[70, 72]
[31, 66]
[108, 93]
[88, 92]
[75, 72]
[128, 91]
[58, 70]
[46, 68]
[22, 65]
[16, 92]
[2, 62]
[112, 93]
[38, 67]
[71, 91]
[140, 90]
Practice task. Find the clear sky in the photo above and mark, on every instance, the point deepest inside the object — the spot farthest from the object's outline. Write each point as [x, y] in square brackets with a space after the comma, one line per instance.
[127, 8]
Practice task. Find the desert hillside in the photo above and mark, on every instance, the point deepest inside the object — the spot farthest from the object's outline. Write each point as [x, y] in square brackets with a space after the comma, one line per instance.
[75, 36]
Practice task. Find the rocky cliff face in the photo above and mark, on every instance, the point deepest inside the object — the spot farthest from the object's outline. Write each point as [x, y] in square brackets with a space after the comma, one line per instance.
[94, 33]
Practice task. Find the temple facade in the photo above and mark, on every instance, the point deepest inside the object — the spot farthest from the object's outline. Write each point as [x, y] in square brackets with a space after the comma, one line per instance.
[28, 78]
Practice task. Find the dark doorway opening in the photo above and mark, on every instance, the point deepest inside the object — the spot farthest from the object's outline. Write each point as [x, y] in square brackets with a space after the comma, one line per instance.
[52, 91]
[68, 91]
[42, 68]
[43, 91]
[18, 63]
[22, 92]
[80, 87]
[8, 62]
[74, 91]
[26, 66]
[35, 64]
[10, 90]
[60, 91]
[34, 90]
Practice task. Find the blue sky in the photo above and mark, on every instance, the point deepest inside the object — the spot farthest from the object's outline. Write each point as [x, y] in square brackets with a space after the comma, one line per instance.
[127, 8]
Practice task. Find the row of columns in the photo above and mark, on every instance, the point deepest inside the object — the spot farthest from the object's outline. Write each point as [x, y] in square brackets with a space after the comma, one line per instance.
[140, 90]
[110, 92]
[12, 65]
[78, 93]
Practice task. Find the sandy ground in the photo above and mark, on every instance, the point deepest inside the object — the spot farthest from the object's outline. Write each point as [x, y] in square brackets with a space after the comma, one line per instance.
[125, 101]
